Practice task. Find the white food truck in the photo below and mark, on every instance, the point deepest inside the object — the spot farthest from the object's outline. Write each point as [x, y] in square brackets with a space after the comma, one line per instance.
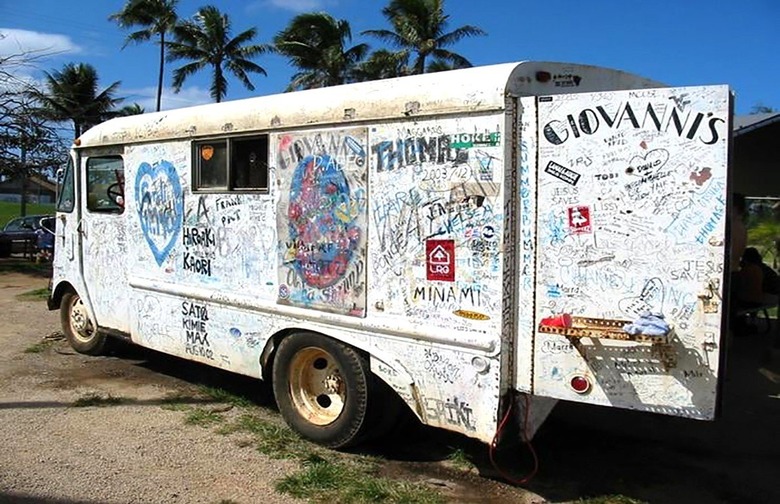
[452, 242]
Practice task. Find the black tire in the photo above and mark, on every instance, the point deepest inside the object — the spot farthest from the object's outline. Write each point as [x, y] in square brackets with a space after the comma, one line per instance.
[78, 328]
[322, 388]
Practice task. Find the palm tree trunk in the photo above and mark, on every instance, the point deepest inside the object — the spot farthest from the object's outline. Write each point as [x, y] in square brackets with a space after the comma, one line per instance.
[162, 69]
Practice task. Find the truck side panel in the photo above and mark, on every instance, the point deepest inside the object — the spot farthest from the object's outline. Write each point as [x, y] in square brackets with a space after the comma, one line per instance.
[420, 209]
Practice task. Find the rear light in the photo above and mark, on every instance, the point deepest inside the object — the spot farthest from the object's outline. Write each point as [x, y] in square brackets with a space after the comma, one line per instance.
[580, 384]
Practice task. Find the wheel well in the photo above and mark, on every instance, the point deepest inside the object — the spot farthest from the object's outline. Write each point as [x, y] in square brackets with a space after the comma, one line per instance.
[269, 352]
[56, 297]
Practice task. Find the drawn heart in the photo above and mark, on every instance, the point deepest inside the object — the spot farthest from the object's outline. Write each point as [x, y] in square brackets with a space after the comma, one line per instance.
[649, 163]
[160, 206]
[651, 299]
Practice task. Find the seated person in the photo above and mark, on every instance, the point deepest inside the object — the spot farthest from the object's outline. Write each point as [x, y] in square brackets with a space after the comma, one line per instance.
[755, 286]
[750, 280]
[770, 281]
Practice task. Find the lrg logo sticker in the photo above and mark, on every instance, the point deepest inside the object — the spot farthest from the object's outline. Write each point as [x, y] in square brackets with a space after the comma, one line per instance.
[579, 219]
[440, 260]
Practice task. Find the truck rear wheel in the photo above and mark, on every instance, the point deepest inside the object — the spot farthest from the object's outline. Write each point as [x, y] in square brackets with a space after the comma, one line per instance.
[78, 328]
[322, 388]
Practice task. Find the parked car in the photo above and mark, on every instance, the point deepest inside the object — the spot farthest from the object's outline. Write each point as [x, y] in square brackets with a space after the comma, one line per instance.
[21, 235]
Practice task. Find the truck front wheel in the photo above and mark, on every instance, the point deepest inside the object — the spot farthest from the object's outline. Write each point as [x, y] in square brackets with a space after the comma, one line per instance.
[78, 328]
[322, 388]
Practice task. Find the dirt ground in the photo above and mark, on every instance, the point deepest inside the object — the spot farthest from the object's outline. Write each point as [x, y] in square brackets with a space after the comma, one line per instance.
[137, 452]
[51, 451]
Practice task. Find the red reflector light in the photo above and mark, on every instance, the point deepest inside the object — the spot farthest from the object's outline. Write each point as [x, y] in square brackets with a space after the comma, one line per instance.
[580, 384]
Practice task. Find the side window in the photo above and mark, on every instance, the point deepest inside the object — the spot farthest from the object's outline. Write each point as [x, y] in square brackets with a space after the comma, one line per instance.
[212, 165]
[65, 198]
[231, 164]
[250, 163]
[105, 184]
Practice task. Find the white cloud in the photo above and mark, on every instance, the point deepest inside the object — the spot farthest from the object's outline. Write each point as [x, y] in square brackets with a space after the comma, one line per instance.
[294, 5]
[147, 97]
[36, 44]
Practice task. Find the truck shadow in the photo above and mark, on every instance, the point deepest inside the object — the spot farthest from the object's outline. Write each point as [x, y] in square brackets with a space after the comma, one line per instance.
[583, 450]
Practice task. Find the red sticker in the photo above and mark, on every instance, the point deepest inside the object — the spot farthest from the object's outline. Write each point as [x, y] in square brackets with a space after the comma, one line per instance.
[440, 260]
[579, 219]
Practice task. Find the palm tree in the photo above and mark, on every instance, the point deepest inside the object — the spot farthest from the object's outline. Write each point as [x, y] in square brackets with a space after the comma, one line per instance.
[419, 29]
[316, 44]
[205, 41]
[156, 18]
[72, 95]
[128, 110]
[383, 64]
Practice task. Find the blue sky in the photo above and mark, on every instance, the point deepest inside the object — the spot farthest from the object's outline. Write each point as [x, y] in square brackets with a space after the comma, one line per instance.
[679, 42]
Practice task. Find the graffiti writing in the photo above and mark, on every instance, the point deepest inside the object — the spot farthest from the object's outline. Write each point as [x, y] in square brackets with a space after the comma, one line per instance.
[160, 206]
[452, 411]
[194, 318]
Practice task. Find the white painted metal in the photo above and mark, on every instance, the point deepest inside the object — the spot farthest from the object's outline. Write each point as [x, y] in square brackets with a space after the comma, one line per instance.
[632, 191]
[470, 90]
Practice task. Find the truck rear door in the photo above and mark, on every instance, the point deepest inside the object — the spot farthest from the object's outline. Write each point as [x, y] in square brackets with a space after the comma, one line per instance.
[631, 211]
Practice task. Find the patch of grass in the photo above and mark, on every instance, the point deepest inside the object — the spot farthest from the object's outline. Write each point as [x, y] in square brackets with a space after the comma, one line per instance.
[39, 347]
[41, 294]
[272, 439]
[26, 267]
[610, 499]
[98, 400]
[323, 481]
[223, 396]
[178, 402]
[460, 460]
[203, 418]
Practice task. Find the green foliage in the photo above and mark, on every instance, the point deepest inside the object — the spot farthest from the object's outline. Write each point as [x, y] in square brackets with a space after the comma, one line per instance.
[271, 438]
[223, 396]
[321, 480]
[14, 265]
[73, 94]
[205, 41]
[460, 459]
[203, 418]
[39, 347]
[316, 44]
[154, 18]
[764, 229]
[41, 294]
[420, 30]
[98, 400]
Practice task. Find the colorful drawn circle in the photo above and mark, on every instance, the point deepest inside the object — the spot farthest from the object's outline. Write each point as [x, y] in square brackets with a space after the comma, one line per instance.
[321, 219]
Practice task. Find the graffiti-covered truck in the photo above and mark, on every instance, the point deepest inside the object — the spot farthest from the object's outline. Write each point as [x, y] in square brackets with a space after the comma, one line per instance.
[459, 244]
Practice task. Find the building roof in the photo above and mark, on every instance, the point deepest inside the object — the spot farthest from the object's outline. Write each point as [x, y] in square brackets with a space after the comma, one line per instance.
[746, 123]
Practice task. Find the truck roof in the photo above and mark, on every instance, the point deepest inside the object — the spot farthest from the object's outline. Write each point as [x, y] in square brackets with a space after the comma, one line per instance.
[470, 90]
